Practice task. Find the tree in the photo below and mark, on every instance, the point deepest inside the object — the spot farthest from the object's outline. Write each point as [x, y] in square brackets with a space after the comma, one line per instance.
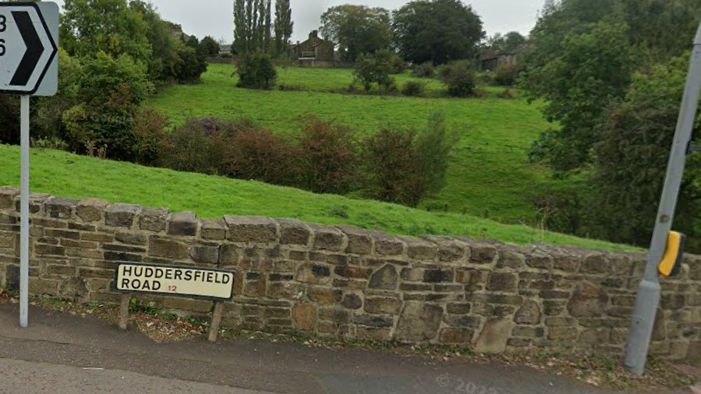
[508, 43]
[631, 159]
[110, 26]
[375, 68]
[438, 31]
[209, 46]
[592, 69]
[578, 88]
[357, 29]
[252, 26]
[164, 47]
[283, 26]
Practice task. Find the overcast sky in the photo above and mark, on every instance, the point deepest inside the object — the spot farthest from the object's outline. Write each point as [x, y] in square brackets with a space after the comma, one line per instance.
[214, 17]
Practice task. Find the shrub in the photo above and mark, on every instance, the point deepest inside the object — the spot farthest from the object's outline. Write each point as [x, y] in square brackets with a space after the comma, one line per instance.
[460, 79]
[397, 63]
[256, 71]
[424, 70]
[328, 157]
[150, 136]
[111, 91]
[413, 88]
[254, 153]
[375, 69]
[403, 166]
[190, 147]
[506, 74]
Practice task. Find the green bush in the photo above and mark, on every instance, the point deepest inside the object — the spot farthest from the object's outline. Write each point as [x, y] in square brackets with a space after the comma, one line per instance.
[404, 166]
[414, 89]
[398, 64]
[256, 71]
[150, 136]
[506, 74]
[256, 153]
[424, 70]
[328, 157]
[111, 91]
[375, 69]
[460, 79]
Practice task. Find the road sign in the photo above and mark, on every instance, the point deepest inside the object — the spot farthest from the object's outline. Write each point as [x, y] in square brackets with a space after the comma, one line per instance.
[183, 281]
[28, 67]
[28, 48]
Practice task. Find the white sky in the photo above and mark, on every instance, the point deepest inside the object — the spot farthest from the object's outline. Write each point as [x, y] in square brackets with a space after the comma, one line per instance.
[214, 17]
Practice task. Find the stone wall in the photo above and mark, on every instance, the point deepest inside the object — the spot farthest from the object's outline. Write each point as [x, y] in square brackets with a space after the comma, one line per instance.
[347, 282]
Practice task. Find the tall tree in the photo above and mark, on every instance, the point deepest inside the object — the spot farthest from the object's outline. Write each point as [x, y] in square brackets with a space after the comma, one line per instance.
[438, 31]
[357, 29]
[252, 26]
[283, 26]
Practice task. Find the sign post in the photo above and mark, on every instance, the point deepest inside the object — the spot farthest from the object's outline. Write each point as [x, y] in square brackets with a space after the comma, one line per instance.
[28, 67]
[648, 297]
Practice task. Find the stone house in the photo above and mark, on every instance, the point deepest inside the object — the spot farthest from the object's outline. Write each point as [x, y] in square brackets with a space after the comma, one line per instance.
[491, 59]
[314, 52]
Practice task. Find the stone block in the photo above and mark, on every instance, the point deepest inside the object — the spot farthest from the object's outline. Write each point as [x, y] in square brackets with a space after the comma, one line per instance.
[494, 336]
[540, 261]
[163, 247]
[510, 259]
[385, 278]
[327, 238]
[588, 300]
[131, 238]
[502, 281]
[183, 224]
[595, 264]
[352, 301]
[438, 275]
[153, 220]
[420, 249]
[483, 254]
[324, 295]
[313, 274]
[418, 322]
[529, 313]
[386, 245]
[294, 232]
[204, 254]
[251, 229]
[359, 240]
[353, 272]
[7, 197]
[213, 230]
[382, 305]
[91, 210]
[121, 215]
[60, 208]
[373, 321]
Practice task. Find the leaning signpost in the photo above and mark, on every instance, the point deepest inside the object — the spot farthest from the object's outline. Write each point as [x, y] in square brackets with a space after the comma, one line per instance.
[665, 243]
[28, 67]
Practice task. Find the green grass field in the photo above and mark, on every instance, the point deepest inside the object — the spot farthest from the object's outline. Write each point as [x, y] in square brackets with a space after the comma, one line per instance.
[73, 176]
[489, 175]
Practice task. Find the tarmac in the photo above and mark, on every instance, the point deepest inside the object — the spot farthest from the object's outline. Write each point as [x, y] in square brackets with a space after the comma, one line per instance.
[61, 353]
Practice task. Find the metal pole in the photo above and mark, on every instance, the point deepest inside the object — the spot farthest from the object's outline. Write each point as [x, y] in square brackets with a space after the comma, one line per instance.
[24, 211]
[648, 298]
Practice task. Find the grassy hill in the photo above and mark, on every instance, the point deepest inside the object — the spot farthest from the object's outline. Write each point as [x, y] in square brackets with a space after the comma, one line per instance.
[68, 175]
[489, 174]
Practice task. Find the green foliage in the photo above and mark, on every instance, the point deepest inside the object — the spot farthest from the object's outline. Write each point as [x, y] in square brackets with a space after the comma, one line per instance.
[283, 26]
[150, 136]
[209, 46]
[356, 29]
[256, 71]
[164, 47]
[460, 79]
[405, 167]
[631, 160]
[328, 157]
[508, 43]
[111, 91]
[252, 26]
[375, 69]
[506, 74]
[193, 61]
[414, 89]
[436, 31]
[589, 70]
[424, 70]
[110, 26]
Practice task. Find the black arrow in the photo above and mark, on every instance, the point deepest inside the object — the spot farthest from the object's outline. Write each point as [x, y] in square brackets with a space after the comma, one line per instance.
[34, 48]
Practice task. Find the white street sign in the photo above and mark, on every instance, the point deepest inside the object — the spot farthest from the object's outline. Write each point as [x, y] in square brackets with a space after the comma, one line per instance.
[29, 48]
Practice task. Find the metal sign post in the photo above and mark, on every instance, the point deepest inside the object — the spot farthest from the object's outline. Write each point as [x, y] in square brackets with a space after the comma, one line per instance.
[28, 67]
[648, 297]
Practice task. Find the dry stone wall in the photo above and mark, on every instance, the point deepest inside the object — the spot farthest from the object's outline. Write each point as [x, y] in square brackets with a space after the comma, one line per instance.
[347, 282]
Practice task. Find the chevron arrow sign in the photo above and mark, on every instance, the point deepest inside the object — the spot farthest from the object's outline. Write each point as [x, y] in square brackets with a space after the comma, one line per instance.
[28, 48]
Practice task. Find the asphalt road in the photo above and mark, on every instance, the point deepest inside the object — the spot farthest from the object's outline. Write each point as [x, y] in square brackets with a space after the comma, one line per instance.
[60, 353]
